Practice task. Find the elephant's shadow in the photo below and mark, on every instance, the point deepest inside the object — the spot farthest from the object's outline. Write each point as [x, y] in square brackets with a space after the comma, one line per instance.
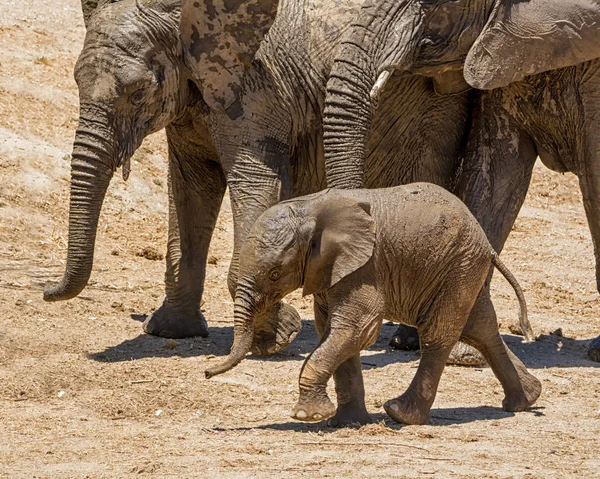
[220, 340]
[438, 417]
[551, 351]
[548, 351]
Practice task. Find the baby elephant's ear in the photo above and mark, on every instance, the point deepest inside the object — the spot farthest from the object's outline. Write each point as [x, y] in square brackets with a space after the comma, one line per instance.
[342, 241]
[523, 38]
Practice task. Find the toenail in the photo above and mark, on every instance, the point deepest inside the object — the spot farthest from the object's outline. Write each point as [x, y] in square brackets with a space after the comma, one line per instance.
[317, 416]
[394, 407]
[301, 414]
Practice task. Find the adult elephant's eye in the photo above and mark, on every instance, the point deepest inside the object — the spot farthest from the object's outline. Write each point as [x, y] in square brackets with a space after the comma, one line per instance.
[138, 96]
[275, 274]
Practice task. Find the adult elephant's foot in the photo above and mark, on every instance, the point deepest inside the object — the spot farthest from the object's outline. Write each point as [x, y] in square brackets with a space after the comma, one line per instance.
[276, 329]
[594, 350]
[464, 355]
[406, 338]
[168, 322]
[315, 410]
[407, 409]
[350, 415]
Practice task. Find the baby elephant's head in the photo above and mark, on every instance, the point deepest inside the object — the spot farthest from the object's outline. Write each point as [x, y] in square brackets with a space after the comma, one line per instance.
[313, 242]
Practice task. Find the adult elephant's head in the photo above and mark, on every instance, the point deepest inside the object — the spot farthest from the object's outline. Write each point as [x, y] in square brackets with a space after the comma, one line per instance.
[483, 44]
[131, 83]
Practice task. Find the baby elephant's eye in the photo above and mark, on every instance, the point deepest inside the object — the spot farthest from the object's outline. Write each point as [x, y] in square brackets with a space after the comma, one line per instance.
[275, 274]
[138, 96]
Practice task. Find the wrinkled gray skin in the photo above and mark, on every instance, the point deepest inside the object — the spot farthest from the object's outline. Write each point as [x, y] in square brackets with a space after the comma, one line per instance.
[133, 81]
[540, 59]
[249, 119]
[411, 253]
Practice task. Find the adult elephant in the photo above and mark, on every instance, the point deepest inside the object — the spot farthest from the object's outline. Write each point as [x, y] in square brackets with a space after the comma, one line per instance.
[133, 81]
[538, 58]
[247, 114]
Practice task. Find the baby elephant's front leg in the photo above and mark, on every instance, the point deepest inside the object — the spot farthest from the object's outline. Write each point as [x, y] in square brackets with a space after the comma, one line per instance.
[354, 324]
[314, 403]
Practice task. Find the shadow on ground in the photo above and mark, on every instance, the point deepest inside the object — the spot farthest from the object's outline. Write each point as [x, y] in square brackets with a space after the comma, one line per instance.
[438, 417]
[548, 351]
[221, 338]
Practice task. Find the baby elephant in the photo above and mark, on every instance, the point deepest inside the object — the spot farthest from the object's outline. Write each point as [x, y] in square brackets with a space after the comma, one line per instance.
[412, 254]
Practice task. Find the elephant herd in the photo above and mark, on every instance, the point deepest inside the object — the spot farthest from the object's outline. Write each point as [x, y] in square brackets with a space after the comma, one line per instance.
[275, 99]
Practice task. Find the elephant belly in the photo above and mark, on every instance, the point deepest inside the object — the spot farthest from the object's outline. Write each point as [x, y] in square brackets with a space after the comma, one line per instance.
[417, 135]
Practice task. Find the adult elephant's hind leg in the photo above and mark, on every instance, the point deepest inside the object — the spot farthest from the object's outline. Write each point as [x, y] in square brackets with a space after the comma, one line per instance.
[521, 388]
[196, 191]
[405, 338]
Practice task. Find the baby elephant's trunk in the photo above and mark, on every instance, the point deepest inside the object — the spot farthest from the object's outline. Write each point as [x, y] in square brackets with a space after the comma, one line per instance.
[523, 320]
[243, 332]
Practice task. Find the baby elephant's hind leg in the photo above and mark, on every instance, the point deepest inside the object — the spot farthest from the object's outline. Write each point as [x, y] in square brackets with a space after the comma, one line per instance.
[350, 393]
[521, 388]
[439, 332]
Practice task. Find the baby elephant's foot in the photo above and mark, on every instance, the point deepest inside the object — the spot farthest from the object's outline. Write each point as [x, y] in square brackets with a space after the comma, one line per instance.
[519, 401]
[350, 415]
[314, 411]
[405, 409]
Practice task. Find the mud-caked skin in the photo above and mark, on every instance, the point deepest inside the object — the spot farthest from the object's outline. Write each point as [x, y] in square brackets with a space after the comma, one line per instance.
[241, 96]
[539, 59]
[413, 254]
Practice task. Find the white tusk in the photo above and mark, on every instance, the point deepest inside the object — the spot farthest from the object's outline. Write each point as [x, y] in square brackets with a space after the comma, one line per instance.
[126, 168]
[379, 84]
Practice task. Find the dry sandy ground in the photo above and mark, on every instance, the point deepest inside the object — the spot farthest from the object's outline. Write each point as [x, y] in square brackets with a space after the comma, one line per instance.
[83, 393]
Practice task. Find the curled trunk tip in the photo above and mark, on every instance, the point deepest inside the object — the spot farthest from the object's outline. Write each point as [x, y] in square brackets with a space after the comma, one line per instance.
[243, 336]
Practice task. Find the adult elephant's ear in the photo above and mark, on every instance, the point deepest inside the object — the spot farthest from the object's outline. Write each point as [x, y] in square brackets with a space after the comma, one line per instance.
[220, 38]
[524, 37]
[341, 241]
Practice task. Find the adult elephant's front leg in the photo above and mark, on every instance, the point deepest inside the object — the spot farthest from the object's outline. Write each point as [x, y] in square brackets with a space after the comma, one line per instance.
[257, 182]
[196, 190]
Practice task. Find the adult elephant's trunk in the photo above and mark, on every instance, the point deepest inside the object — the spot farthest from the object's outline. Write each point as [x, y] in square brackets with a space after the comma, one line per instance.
[348, 115]
[91, 173]
[375, 46]
[243, 332]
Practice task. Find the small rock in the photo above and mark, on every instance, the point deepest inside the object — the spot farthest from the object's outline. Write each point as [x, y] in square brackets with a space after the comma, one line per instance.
[212, 259]
[151, 253]
[158, 412]
[61, 394]
[557, 332]
[115, 252]
[514, 329]
[19, 302]
[117, 305]
[170, 344]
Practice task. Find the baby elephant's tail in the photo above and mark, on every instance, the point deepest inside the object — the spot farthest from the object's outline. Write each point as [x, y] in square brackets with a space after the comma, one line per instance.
[523, 320]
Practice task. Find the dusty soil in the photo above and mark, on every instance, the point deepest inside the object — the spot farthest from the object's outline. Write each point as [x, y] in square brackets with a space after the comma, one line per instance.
[83, 393]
